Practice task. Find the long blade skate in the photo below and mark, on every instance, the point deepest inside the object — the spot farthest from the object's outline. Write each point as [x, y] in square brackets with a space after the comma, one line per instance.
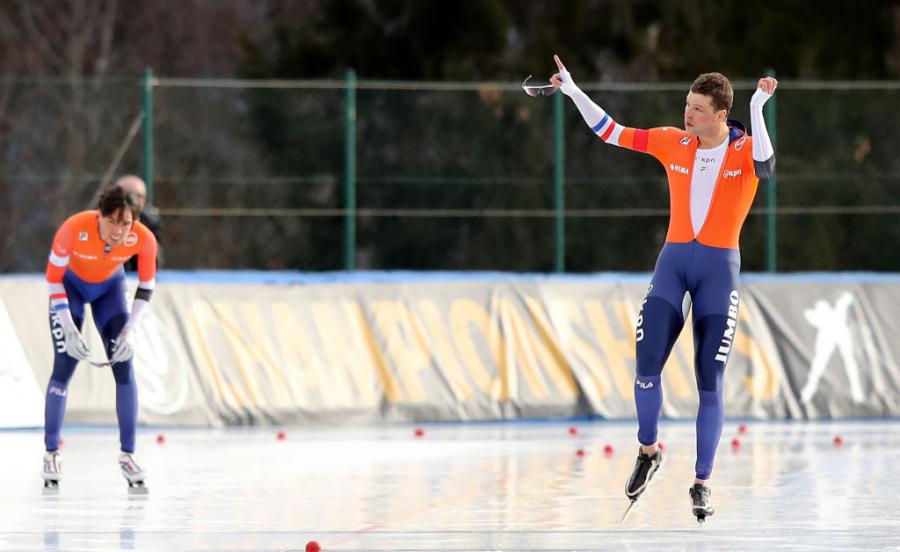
[641, 478]
[139, 488]
[702, 514]
[628, 510]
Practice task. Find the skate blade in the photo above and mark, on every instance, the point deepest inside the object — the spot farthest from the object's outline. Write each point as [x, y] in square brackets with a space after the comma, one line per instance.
[51, 487]
[138, 489]
[627, 511]
[701, 515]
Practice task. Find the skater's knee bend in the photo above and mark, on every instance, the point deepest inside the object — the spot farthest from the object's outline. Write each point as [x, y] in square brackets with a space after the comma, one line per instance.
[650, 363]
[714, 336]
[63, 370]
[709, 376]
[712, 399]
[114, 325]
[123, 372]
[658, 327]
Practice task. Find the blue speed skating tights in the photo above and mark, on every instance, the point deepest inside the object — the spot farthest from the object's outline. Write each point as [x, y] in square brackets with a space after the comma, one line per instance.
[110, 312]
[708, 277]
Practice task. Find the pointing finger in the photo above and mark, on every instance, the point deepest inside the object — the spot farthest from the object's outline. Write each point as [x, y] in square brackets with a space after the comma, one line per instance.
[559, 64]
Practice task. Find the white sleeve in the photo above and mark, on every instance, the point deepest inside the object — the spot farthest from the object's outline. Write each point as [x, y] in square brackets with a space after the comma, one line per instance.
[763, 152]
[600, 122]
[137, 312]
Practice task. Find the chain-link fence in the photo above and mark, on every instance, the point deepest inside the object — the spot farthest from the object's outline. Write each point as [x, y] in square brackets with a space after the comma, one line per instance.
[58, 137]
[322, 175]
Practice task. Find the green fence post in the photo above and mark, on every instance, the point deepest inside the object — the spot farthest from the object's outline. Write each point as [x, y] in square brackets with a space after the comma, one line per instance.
[350, 172]
[559, 165]
[147, 124]
[771, 189]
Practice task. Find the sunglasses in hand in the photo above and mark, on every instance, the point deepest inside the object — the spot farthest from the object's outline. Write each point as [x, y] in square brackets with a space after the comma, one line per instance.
[535, 91]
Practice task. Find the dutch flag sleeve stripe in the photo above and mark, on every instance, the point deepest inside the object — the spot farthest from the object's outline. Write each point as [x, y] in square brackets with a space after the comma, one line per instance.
[599, 126]
[604, 126]
[609, 131]
[616, 134]
[58, 298]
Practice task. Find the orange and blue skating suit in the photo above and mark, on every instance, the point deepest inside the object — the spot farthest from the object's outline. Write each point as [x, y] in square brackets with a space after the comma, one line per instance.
[83, 269]
[80, 253]
[734, 191]
[698, 268]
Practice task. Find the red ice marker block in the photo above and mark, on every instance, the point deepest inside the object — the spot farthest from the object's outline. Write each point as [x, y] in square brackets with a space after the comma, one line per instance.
[742, 429]
[161, 439]
[62, 442]
[580, 453]
[661, 445]
[313, 546]
[608, 450]
[735, 443]
[573, 431]
[838, 441]
[420, 432]
[281, 436]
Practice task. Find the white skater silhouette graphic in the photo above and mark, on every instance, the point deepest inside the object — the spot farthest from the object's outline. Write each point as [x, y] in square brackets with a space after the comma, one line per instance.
[833, 332]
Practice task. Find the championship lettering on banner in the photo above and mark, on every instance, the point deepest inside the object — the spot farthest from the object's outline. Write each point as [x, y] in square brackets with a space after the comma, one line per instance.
[220, 353]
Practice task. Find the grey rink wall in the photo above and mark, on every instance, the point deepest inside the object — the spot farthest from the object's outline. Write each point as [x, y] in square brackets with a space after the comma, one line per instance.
[222, 348]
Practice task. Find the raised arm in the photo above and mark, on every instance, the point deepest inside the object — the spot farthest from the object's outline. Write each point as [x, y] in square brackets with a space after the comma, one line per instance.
[763, 152]
[600, 122]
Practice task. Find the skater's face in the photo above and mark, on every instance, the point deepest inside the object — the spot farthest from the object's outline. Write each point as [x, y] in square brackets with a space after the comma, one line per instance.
[700, 117]
[115, 226]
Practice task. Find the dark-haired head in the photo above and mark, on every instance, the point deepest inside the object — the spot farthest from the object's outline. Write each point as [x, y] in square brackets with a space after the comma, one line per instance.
[118, 212]
[116, 200]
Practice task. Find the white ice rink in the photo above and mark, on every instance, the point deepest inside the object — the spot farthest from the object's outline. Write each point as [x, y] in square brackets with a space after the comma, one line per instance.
[517, 486]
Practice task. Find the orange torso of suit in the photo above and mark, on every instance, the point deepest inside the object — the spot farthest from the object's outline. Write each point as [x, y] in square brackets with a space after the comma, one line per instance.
[78, 247]
[734, 190]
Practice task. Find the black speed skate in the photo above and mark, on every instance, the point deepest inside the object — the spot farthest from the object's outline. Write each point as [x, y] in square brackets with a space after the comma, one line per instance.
[643, 472]
[644, 469]
[700, 502]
